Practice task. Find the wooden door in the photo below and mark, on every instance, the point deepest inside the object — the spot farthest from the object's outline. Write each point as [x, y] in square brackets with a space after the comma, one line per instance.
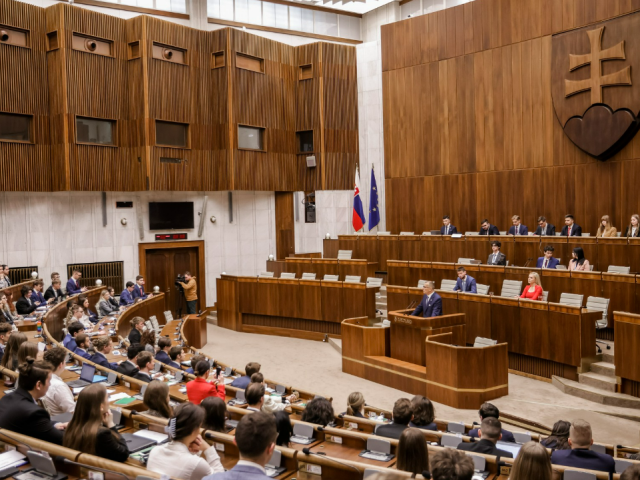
[163, 266]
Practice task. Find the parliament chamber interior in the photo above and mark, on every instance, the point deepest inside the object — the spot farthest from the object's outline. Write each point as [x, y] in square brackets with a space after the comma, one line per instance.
[312, 239]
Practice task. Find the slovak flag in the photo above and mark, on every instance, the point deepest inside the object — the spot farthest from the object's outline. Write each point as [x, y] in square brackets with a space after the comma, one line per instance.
[358, 211]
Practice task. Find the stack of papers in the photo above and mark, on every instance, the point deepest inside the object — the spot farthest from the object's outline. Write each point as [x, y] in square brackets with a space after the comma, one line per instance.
[12, 458]
[118, 396]
[155, 436]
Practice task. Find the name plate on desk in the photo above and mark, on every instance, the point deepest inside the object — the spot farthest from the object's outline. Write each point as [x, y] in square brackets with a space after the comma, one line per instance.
[406, 321]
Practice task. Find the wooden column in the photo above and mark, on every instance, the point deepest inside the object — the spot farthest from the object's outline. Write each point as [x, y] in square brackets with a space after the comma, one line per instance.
[285, 236]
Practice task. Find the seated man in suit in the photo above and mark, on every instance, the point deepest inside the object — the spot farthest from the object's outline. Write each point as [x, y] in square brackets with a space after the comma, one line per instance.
[146, 365]
[73, 285]
[126, 297]
[496, 257]
[580, 455]
[544, 228]
[489, 434]
[164, 344]
[244, 381]
[465, 283]
[518, 228]
[175, 354]
[548, 261]
[69, 340]
[402, 415]
[488, 229]
[54, 293]
[129, 367]
[83, 343]
[431, 303]
[255, 438]
[447, 228]
[489, 410]
[138, 289]
[25, 305]
[37, 295]
[103, 346]
[570, 229]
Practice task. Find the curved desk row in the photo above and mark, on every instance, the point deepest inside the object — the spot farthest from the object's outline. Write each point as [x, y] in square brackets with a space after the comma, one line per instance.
[13, 293]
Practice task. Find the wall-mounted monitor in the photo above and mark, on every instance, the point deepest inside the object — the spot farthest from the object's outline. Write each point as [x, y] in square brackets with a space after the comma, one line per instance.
[170, 215]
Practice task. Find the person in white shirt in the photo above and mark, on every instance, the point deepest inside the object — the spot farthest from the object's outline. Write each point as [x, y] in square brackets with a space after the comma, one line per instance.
[272, 404]
[181, 458]
[59, 398]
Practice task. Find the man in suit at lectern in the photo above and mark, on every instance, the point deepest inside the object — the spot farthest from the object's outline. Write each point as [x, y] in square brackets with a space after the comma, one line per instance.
[431, 303]
[465, 283]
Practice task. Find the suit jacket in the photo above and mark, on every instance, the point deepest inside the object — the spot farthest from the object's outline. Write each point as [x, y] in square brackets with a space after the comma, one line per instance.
[522, 231]
[627, 232]
[38, 297]
[199, 389]
[553, 262]
[51, 293]
[452, 230]
[470, 286]
[5, 316]
[20, 414]
[126, 298]
[138, 291]
[2, 347]
[392, 430]
[241, 382]
[127, 368]
[142, 377]
[24, 306]
[69, 343]
[83, 353]
[239, 472]
[583, 458]
[432, 426]
[576, 230]
[500, 260]
[134, 336]
[110, 445]
[507, 436]
[99, 359]
[484, 446]
[550, 230]
[493, 230]
[429, 307]
[106, 308]
[73, 287]
[163, 357]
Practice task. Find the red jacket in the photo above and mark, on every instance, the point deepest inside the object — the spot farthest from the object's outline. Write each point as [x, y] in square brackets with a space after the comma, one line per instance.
[199, 389]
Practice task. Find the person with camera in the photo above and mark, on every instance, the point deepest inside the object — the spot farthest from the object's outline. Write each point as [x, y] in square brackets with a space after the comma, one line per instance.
[190, 293]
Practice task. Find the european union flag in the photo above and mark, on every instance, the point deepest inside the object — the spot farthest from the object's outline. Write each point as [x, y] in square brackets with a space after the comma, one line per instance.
[374, 211]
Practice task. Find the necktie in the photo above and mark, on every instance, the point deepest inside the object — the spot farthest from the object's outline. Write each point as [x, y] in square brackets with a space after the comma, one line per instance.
[545, 263]
[494, 258]
[446, 230]
[544, 230]
[464, 284]
[569, 232]
[517, 229]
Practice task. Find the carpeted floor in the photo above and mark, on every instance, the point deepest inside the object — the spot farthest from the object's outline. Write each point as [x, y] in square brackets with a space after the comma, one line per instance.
[317, 367]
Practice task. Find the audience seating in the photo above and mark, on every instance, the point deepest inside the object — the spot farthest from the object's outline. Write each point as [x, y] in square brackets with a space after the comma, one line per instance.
[571, 299]
[308, 276]
[344, 254]
[168, 316]
[292, 275]
[374, 282]
[522, 437]
[482, 289]
[484, 342]
[447, 285]
[466, 261]
[545, 295]
[352, 279]
[422, 282]
[265, 275]
[617, 269]
[331, 278]
[384, 233]
[406, 233]
[511, 288]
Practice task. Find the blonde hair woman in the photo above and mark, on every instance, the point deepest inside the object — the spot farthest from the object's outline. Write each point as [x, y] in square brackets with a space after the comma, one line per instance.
[355, 404]
[532, 463]
[606, 229]
[633, 230]
[534, 290]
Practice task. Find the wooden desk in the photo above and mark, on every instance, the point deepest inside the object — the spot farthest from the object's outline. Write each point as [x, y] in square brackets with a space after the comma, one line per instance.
[627, 342]
[145, 309]
[323, 266]
[13, 293]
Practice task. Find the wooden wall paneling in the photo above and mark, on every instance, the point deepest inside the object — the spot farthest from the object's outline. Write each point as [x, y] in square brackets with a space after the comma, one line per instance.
[285, 235]
[310, 300]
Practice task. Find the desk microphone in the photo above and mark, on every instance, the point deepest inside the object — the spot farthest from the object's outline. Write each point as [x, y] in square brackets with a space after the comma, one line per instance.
[307, 451]
[411, 305]
[527, 262]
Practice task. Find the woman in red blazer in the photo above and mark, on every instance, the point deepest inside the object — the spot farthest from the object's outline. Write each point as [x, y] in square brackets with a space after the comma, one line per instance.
[534, 290]
[199, 389]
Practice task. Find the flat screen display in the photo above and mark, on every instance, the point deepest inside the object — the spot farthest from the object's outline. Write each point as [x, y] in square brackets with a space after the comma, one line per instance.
[170, 215]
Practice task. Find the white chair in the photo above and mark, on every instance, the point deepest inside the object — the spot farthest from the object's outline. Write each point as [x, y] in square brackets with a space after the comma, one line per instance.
[455, 427]
[344, 254]
[383, 233]
[470, 234]
[308, 276]
[154, 321]
[601, 305]
[572, 299]
[622, 465]
[451, 441]
[578, 475]
[481, 342]
[370, 472]
[465, 261]
[265, 275]
[482, 289]
[591, 268]
[352, 279]
[426, 233]
[616, 269]
[168, 316]
[561, 267]
[511, 288]
[421, 283]
[586, 234]
[289, 275]
[331, 278]
[545, 295]
[447, 285]
[406, 233]
[149, 325]
[374, 282]
[521, 438]
[503, 232]
[597, 447]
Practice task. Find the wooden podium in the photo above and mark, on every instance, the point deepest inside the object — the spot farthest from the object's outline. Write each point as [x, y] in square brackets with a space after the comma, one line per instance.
[408, 333]
[465, 377]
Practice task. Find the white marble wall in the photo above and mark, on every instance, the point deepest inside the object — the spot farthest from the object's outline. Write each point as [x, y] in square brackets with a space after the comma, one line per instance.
[51, 230]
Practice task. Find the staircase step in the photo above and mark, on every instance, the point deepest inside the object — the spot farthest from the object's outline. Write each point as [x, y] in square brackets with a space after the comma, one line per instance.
[602, 382]
[604, 368]
[607, 356]
[595, 394]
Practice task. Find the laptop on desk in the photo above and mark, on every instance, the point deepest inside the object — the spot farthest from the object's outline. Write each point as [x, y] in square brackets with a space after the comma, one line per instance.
[136, 443]
[87, 377]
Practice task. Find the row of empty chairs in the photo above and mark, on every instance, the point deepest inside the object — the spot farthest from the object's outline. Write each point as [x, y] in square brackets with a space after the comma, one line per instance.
[610, 269]
[371, 281]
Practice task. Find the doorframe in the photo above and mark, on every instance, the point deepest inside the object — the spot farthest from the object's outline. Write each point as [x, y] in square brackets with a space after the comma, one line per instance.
[199, 244]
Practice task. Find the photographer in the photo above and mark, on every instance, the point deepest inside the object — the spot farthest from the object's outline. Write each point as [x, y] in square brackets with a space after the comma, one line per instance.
[190, 293]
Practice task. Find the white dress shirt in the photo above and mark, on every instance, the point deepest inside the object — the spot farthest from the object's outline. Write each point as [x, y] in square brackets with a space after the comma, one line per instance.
[59, 398]
[174, 460]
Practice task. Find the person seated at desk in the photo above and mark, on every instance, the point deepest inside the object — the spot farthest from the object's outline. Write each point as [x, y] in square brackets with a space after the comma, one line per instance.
[92, 430]
[130, 366]
[244, 381]
[103, 346]
[496, 257]
[59, 397]
[633, 230]
[578, 262]
[489, 433]
[105, 307]
[465, 283]
[164, 345]
[533, 291]
[606, 229]
[69, 341]
[137, 327]
[254, 394]
[73, 285]
[112, 297]
[488, 229]
[570, 229]
[157, 398]
[319, 411]
[448, 464]
[548, 261]
[544, 228]
[431, 303]
[5, 334]
[19, 411]
[126, 297]
[412, 455]
[194, 361]
[29, 349]
[518, 228]
[271, 404]
[199, 388]
[5, 311]
[10, 357]
[489, 410]
[138, 289]
[355, 404]
[423, 413]
[215, 414]
[580, 455]
[4, 277]
[36, 295]
[54, 293]
[146, 366]
[83, 342]
[631, 473]
[88, 314]
[559, 438]
[402, 415]
[77, 315]
[176, 356]
[148, 341]
[447, 228]
[25, 305]
[532, 463]
[284, 427]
